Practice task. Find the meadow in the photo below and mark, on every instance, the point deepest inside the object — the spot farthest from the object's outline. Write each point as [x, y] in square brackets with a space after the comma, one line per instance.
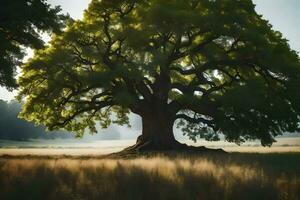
[152, 176]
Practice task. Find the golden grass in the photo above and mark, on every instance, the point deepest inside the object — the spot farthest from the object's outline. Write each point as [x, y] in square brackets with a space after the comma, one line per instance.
[235, 176]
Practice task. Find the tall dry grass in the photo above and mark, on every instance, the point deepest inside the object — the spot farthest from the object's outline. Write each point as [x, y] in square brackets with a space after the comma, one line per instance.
[239, 176]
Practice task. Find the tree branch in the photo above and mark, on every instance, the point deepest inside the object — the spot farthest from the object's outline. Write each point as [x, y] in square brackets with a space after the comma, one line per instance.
[97, 107]
[194, 120]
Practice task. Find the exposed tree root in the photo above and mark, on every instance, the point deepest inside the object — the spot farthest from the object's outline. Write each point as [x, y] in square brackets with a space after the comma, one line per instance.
[174, 146]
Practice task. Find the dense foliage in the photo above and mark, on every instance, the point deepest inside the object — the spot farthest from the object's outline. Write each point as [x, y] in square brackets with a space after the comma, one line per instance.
[213, 66]
[21, 21]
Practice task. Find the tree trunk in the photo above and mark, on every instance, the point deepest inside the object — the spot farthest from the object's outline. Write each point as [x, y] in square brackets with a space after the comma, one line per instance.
[157, 133]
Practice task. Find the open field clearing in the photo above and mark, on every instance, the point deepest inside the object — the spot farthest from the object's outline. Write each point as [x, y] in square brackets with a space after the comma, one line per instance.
[101, 147]
[100, 151]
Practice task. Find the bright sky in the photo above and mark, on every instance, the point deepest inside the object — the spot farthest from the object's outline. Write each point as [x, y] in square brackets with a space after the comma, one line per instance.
[284, 15]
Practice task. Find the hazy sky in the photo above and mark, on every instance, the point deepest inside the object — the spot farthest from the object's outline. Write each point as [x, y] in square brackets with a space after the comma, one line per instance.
[284, 15]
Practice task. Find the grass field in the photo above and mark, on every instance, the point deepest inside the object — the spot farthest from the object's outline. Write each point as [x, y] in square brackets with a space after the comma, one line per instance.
[172, 176]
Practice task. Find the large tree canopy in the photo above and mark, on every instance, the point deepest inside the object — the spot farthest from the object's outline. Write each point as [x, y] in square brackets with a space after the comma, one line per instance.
[20, 24]
[213, 67]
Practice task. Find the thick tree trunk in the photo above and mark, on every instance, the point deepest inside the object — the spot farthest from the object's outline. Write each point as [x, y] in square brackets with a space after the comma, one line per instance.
[157, 133]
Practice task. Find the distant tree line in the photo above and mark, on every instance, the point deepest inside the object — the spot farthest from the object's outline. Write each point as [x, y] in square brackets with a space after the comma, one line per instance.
[13, 128]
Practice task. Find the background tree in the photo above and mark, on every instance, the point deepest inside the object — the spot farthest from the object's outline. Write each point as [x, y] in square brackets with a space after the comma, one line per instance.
[213, 67]
[21, 21]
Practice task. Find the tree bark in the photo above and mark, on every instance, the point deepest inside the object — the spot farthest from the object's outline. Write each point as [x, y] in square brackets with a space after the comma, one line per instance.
[157, 132]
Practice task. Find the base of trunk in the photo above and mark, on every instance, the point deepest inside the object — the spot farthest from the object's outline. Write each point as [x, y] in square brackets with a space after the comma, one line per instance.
[144, 145]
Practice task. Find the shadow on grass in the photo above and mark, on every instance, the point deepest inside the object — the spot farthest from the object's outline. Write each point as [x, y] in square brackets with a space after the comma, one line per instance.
[235, 176]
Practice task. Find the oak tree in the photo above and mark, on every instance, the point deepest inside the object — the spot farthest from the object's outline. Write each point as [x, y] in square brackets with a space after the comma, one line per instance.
[212, 67]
